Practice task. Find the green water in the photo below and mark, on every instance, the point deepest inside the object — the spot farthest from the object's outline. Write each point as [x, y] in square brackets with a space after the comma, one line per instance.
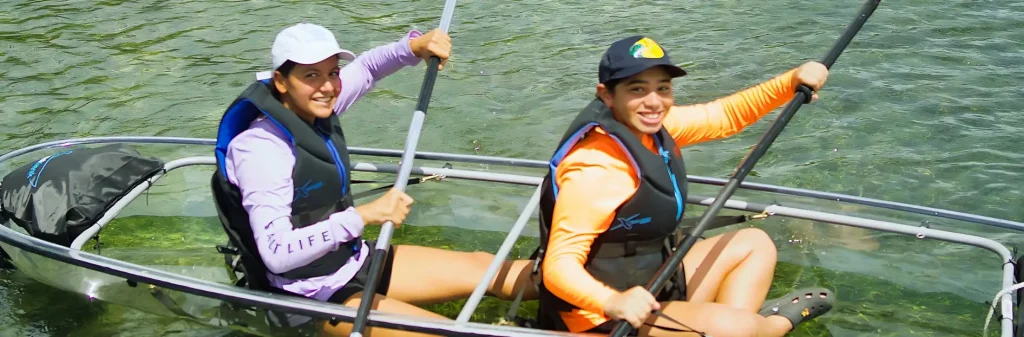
[923, 107]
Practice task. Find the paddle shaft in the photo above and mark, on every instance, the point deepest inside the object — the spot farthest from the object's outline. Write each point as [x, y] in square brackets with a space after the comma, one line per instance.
[801, 97]
[380, 250]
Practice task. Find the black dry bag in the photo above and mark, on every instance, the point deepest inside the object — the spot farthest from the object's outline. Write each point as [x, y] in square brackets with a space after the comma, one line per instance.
[57, 197]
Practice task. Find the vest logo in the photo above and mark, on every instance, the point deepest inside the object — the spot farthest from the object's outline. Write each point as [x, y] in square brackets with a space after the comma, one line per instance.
[37, 169]
[631, 221]
[646, 48]
[306, 189]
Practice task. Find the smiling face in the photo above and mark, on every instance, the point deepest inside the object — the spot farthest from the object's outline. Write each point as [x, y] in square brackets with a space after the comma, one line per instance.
[640, 101]
[309, 90]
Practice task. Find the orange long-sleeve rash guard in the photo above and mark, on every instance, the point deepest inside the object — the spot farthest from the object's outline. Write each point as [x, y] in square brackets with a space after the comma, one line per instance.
[596, 177]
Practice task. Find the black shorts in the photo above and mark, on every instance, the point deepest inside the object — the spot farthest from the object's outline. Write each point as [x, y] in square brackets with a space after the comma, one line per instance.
[358, 282]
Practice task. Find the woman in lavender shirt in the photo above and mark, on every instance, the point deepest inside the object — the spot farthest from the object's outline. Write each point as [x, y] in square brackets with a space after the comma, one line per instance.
[277, 181]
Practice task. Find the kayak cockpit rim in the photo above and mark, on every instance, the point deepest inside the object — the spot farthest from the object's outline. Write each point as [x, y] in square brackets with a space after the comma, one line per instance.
[530, 163]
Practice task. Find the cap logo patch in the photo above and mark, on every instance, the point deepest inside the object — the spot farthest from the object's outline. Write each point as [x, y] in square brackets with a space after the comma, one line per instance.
[646, 48]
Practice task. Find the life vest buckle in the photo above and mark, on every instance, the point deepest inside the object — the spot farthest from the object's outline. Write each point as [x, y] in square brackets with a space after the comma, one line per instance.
[629, 247]
[763, 215]
[538, 255]
[227, 250]
[437, 177]
[504, 322]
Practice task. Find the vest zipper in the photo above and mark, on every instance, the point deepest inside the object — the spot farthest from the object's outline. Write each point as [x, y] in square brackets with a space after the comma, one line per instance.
[337, 162]
[344, 183]
[675, 185]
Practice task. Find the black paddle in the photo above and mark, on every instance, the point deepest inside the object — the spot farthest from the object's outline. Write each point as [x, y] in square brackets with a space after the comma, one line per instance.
[802, 96]
[380, 250]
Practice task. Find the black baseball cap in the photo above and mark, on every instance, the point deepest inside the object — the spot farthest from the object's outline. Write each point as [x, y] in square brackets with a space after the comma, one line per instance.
[633, 55]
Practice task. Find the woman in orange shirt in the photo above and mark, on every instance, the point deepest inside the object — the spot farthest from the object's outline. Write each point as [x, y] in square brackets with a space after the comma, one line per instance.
[616, 193]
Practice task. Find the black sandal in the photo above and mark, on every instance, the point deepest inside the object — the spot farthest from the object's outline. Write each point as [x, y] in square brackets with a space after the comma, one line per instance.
[800, 305]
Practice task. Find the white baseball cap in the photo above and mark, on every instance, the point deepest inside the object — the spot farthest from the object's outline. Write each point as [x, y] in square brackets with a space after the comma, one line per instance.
[304, 43]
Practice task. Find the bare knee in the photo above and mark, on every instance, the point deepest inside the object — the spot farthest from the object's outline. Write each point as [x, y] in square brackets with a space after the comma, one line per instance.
[481, 259]
[510, 277]
[758, 241]
[475, 263]
[478, 262]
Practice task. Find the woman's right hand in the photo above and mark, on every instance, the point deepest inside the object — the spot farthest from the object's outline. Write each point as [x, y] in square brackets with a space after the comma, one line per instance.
[633, 306]
[812, 74]
[393, 206]
[434, 43]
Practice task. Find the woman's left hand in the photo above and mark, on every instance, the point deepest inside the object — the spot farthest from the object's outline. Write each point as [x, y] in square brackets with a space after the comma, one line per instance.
[434, 43]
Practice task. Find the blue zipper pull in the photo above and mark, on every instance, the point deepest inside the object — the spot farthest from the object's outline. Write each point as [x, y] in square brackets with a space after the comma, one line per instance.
[675, 184]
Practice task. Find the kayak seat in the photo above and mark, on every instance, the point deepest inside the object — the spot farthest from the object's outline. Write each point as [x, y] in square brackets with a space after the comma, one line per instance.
[242, 260]
[239, 255]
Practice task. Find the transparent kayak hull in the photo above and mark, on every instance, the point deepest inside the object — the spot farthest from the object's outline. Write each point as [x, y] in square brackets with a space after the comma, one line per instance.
[192, 281]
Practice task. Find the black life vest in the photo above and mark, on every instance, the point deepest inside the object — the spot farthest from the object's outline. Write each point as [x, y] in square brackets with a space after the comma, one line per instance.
[631, 251]
[320, 177]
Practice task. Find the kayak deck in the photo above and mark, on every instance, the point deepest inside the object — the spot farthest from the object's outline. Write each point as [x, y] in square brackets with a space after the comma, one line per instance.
[153, 259]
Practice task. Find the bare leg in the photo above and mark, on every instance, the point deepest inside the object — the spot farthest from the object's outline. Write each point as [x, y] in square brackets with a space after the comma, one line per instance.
[716, 320]
[423, 275]
[734, 269]
[380, 303]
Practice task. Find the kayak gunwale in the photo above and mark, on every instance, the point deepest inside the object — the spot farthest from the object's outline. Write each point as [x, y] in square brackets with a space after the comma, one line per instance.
[532, 163]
